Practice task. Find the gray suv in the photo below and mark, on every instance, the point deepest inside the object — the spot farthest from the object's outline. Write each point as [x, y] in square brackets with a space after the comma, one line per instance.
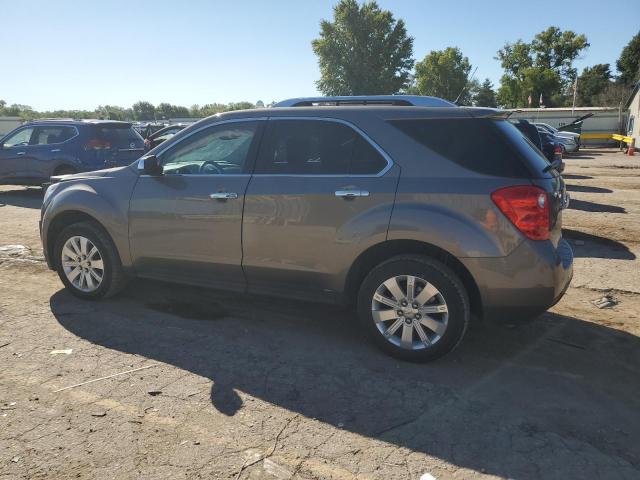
[417, 212]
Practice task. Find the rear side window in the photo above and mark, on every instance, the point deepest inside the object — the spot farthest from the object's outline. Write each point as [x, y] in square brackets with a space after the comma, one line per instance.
[475, 144]
[118, 136]
[53, 134]
[316, 147]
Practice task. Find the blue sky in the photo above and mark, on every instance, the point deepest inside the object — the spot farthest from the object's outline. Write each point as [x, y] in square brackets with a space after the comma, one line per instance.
[79, 54]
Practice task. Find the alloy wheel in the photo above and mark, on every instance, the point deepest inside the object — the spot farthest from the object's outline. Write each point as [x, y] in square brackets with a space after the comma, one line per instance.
[409, 312]
[82, 264]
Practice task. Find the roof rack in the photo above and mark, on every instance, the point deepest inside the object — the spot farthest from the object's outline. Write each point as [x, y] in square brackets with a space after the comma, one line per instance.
[395, 100]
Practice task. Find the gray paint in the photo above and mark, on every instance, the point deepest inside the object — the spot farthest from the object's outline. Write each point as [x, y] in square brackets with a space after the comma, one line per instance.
[290, 235]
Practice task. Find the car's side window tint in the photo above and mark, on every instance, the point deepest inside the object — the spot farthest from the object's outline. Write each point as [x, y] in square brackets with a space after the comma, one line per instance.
[221, 149]
[20, 138]
[316, 147]
[366, 159]
[306, 147]
[49, 135]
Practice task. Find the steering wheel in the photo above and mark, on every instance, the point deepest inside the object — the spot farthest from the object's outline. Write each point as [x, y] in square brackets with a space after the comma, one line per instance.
[210, 167]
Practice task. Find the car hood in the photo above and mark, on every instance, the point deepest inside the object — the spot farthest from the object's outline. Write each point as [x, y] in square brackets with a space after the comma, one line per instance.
[107, 172]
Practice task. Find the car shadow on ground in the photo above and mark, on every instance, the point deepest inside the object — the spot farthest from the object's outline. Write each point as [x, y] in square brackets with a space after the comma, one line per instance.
[587, 189]
[513, 402]
[593, 246]
[573, 176]
[22, 197]
[594, 207]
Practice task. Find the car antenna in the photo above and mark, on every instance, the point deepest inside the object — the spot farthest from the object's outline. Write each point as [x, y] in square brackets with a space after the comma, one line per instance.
[465, 85]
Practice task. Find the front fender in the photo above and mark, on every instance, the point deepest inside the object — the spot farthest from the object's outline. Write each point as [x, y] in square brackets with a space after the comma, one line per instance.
[108, 207]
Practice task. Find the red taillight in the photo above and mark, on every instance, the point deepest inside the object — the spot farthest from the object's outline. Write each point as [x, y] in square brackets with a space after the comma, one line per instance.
[97, 144]
[527, 207]
[558, 149]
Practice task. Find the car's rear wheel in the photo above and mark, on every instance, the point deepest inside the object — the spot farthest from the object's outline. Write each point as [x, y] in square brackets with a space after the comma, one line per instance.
[87, 261]
[414, 308]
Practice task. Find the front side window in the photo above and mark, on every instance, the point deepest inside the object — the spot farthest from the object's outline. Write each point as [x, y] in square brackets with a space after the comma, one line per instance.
[20, 138]
[49, 135]
[221, 149]
[316, 147]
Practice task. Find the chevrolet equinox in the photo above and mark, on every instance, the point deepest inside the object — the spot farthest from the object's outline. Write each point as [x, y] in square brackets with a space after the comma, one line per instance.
[416, 211]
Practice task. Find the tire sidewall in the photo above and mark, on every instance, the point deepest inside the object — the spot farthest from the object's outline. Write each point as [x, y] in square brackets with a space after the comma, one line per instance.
[433, 272]
[88, 231]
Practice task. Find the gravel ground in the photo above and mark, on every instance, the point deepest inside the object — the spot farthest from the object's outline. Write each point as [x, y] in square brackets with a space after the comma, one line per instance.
[273, 389]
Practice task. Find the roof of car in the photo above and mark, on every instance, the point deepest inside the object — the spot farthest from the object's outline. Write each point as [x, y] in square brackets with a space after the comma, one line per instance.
[384, 112]
[71, 121]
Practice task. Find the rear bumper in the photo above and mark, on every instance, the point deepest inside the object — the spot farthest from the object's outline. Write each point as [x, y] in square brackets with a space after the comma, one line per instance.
[530, 280]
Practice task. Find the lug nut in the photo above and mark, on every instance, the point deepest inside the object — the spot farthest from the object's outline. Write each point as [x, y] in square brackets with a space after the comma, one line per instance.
[400, 313]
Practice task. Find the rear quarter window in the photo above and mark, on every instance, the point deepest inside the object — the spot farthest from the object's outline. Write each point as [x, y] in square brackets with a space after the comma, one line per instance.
[477, 144]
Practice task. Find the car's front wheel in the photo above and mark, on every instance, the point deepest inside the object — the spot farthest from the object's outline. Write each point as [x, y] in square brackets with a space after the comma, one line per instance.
[87, 261]
[414, 307]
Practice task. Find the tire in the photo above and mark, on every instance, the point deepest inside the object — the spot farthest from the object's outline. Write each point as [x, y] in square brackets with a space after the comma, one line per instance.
[113, 278]
[451, 297]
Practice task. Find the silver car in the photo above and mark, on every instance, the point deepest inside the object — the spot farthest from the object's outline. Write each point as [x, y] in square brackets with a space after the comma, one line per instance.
[419, 213]
[570, 141]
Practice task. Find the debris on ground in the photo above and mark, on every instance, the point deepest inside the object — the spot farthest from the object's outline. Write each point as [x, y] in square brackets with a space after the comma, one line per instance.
[104, 378]
[18, 254]
[66, 351]
[606, 301]
[154, 393]
[99, 414]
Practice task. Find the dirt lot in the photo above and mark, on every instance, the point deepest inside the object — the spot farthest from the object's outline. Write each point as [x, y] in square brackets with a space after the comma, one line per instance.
[277, 389]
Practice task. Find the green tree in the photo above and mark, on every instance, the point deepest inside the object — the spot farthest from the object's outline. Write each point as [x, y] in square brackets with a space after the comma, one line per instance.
[143, 111]
[542, 67]
[592, 82]
[485, 95]
[629, 62]
[363, 51]
[443, 73]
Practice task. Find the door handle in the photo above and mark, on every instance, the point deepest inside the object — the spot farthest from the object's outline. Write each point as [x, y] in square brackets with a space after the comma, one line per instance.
[223, 195]
[21, 153]
[55, 150]
[347, 194]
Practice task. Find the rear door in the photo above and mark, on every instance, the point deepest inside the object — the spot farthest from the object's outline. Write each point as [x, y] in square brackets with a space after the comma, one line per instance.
[186, 224]
[122, 144]
[319, 194]
[54, 146]
[15, 154]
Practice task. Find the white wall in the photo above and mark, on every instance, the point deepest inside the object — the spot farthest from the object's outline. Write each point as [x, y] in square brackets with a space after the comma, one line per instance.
[604, 120]
[9, 123]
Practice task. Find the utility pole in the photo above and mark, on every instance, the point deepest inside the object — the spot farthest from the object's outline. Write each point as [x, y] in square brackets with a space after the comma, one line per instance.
[575, 90]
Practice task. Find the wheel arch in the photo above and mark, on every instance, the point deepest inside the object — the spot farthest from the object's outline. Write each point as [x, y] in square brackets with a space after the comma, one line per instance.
[380, 252]
[63, 220]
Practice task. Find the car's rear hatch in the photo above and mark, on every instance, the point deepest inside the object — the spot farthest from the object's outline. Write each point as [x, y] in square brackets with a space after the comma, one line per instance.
[116, 143]
[542, 174]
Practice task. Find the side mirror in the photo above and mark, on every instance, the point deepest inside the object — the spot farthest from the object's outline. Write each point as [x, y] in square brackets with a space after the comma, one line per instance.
[150, 165]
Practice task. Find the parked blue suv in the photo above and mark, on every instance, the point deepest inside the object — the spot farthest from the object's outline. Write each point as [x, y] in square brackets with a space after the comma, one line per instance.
[35, 151]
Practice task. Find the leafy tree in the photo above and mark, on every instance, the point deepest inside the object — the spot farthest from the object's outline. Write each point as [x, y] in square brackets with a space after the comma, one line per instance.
[613, 95]
[592, 82]
[364, 51]
[542, 67]
[485, 95]
[443, 73]
[629, 62]
[111, 112]
[143, 111]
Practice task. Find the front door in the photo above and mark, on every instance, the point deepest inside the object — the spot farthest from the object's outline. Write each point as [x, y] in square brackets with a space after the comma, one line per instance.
[321, 193]
[15, 153]
[186, 224]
